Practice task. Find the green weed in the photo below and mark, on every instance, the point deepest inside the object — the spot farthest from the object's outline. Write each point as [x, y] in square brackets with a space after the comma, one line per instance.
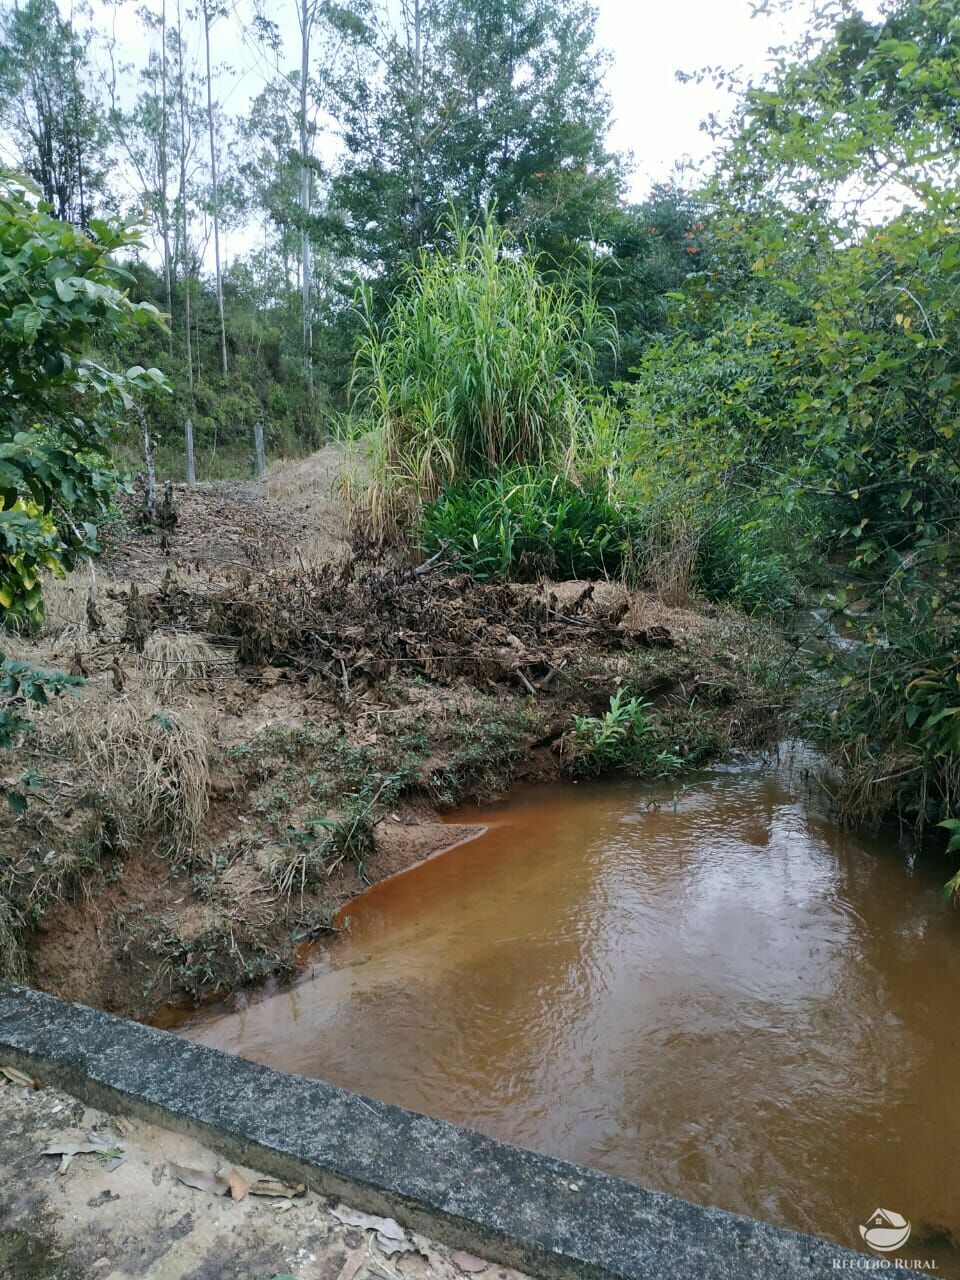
[622, 738]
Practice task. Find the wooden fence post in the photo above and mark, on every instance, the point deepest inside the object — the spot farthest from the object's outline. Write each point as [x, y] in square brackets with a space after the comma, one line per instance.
[258, 443]
[191, 470]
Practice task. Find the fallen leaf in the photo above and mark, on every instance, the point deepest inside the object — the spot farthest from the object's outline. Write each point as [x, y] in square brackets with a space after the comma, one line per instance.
[467, 1262]
[115, 1163]
[238, 1184]
[200, 1179]
[270, 1187]
[67, 1150]
[385, 1227]
[93, 1144]
[19, 1077]
[391, 1245]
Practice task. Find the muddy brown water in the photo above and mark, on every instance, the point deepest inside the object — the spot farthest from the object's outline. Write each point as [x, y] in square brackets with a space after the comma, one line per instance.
[706, 988]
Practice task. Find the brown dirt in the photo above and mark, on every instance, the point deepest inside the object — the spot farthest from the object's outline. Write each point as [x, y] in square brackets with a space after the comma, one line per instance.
[125, 1214]
[341, 700]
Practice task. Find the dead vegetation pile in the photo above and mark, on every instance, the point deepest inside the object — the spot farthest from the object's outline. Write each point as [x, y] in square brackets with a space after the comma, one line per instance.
[351, 627]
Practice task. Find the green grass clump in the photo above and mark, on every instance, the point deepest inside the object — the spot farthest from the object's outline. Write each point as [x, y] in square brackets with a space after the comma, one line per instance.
[622, 738]
[528, 522]
[737, 562]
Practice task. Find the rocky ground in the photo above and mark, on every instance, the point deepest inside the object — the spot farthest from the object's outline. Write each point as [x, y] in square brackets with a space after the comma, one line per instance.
[275, 714]
[139, 1201]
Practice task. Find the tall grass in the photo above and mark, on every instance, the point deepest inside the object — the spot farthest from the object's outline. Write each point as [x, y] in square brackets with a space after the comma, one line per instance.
[478, 365]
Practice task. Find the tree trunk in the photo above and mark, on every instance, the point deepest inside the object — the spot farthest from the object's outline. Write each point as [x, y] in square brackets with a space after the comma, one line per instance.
[185, 242]
[163, 175]
[191, 467]
[418, 157]
[150, 495]
[259, 449]
[306, 266]
[213, 188]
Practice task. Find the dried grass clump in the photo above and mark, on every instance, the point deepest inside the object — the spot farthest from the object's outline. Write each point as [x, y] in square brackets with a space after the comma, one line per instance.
[13, 961]
[669, 558]
[872, 785]
[152, 763]
[173, 661]
[65, 605]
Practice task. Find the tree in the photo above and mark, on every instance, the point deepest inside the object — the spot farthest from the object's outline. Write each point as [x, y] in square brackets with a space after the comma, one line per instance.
[143, 135]
[46, 108]
[185, 121]
[59, 293]
[487, 103]
[212, 11]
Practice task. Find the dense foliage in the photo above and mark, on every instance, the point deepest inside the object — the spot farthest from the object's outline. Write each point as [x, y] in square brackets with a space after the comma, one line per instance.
[825, 382]
[58, 293]
[478, 366]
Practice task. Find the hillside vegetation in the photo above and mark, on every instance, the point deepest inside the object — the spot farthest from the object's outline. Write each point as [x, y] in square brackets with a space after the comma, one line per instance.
[570, 486]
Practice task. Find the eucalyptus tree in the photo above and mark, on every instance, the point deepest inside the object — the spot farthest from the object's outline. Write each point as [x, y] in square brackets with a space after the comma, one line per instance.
[211, 10]
[47, 110]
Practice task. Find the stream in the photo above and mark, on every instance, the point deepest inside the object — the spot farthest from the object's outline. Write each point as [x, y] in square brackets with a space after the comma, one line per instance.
[705, 987]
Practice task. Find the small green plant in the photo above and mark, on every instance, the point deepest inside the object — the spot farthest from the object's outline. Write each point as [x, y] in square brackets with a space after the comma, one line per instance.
[622, 738]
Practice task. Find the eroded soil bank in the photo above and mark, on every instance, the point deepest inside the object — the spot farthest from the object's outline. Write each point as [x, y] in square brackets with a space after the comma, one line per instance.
[274, 717]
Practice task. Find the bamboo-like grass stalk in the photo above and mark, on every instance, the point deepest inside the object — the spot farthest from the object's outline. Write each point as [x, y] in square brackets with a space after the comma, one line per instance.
[479, 365]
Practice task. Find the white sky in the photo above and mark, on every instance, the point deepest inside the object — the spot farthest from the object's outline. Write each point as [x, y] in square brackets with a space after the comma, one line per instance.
[656, 117]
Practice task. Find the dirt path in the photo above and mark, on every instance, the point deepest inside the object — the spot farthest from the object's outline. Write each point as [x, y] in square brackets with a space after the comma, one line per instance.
[247, 525]
[122, 1212]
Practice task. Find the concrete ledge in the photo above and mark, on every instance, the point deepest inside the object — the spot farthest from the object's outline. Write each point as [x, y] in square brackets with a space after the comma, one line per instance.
[546, 1216]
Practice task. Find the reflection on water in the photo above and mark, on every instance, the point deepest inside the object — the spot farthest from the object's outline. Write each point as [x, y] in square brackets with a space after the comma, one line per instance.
[708, 989]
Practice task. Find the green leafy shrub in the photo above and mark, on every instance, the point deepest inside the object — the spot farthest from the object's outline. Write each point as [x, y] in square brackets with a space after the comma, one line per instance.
[525, 523]
[59, 290]
[622, 738]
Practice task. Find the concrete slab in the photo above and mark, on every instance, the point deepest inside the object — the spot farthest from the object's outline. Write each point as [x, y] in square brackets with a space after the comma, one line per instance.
[528, 1211]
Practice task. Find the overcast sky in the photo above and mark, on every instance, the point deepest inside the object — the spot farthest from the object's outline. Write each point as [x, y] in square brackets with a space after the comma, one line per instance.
[655, 117]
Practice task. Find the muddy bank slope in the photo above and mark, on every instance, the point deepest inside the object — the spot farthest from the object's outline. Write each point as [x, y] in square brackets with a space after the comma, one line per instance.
[273, 717]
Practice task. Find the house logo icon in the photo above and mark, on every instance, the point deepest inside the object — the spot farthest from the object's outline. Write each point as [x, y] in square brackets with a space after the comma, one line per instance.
[885, 1231]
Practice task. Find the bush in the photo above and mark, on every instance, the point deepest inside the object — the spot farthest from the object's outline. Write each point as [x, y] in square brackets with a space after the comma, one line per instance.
[737, 563]
[478, 366]
[527, 523]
